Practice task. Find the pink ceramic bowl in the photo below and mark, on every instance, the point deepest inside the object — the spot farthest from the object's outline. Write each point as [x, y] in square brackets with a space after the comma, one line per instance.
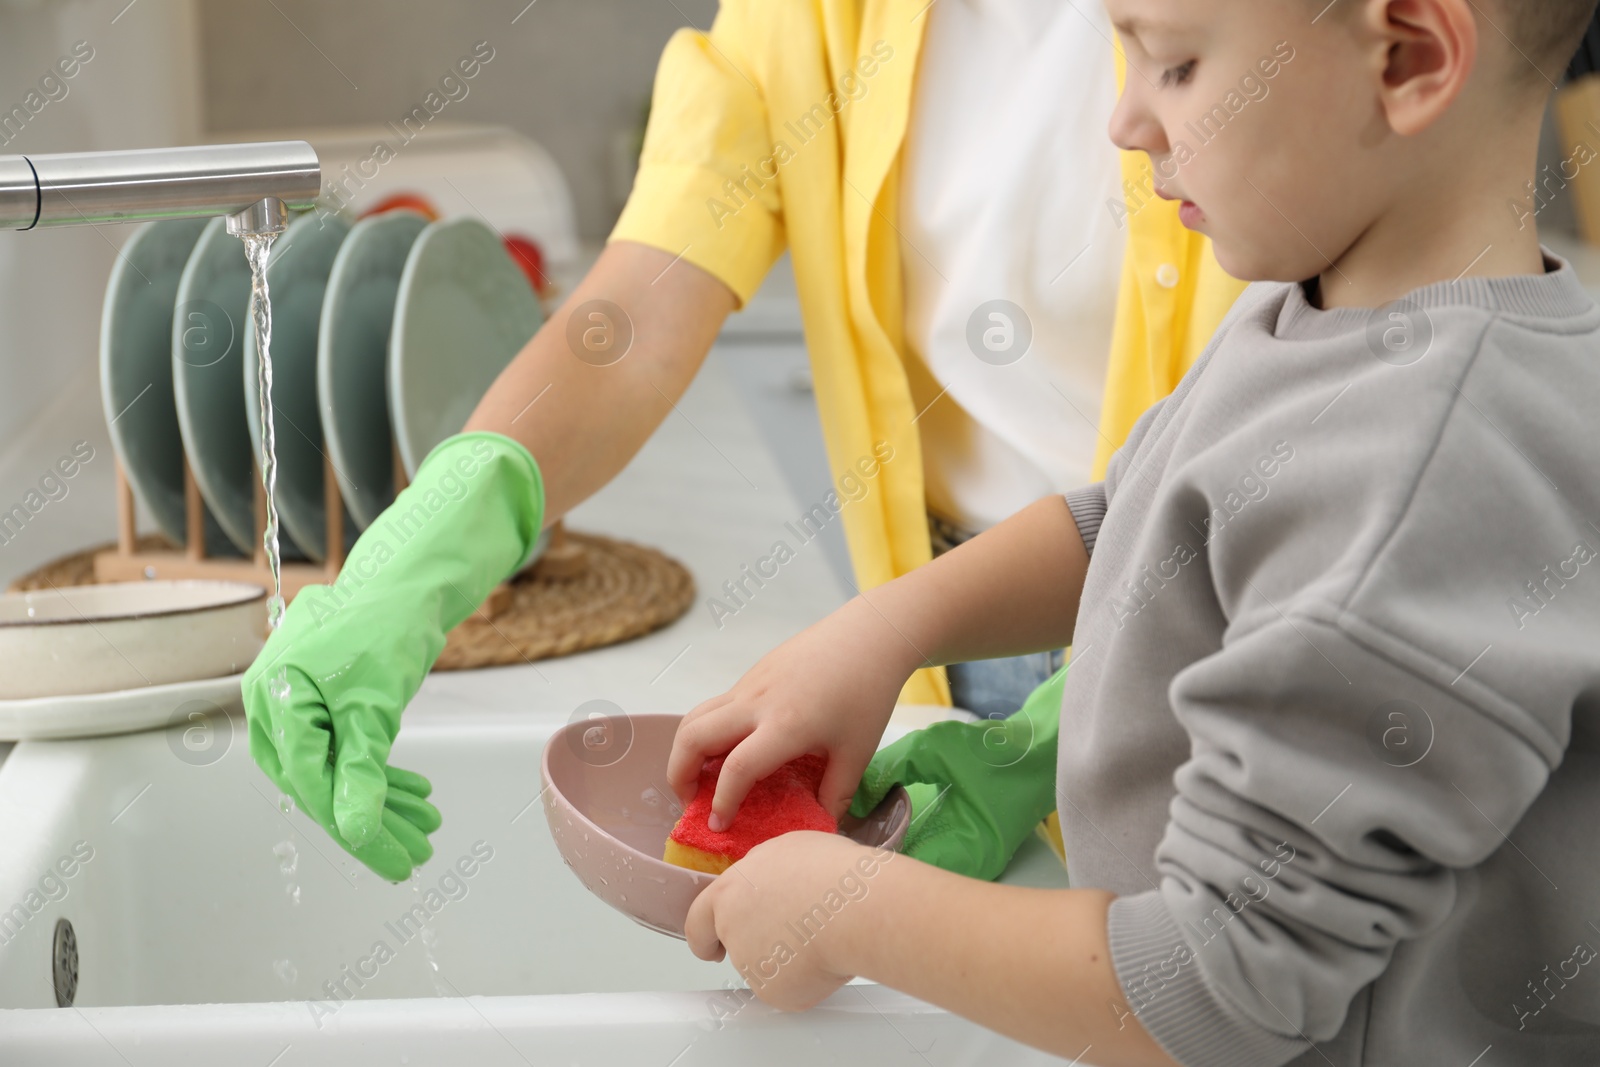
[610, 810]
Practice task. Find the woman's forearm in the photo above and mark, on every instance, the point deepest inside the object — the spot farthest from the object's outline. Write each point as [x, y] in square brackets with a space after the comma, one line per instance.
[1012, 590]
[581, 402]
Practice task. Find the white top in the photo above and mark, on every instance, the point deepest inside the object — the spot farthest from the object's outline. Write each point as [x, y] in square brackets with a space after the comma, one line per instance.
[1005, 187]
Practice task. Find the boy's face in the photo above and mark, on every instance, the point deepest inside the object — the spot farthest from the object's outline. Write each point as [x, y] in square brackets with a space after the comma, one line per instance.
[1261, 120]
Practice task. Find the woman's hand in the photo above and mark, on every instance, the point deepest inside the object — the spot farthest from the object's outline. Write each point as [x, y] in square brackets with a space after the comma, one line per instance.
[776, 914]
[323, 699]
[829, 690]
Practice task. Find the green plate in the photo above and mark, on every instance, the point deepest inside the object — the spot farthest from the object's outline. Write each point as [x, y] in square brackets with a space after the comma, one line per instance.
[213, 303]
[463, 310]
[136, 373]
[353, 358]
[297, 278]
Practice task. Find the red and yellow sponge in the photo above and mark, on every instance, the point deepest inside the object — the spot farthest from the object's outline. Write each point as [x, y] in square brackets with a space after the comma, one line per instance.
[784, 800]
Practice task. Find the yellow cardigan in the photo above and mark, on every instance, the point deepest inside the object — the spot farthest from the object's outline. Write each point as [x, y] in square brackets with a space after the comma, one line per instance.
[782, 126]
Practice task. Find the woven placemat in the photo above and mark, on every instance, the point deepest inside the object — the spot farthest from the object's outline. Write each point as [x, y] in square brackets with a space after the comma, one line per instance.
[78, 568]
[593, 591]
[586, 592]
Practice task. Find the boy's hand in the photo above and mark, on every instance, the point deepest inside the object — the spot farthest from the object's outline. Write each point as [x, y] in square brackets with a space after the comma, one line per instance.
[775, 914]
[829, 690]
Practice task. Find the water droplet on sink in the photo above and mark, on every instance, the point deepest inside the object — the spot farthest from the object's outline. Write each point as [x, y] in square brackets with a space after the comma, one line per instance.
[286, 971]
[288, 856]
[285, 801]
[294, 892]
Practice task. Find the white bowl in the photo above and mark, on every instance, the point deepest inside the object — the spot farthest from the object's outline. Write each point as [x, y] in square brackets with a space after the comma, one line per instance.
[100, 638]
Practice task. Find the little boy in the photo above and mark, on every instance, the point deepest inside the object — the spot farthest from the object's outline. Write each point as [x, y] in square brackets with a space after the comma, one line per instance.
[1329, 765]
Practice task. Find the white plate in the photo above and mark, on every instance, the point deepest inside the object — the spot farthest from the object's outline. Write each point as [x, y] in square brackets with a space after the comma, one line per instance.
[125, 635]
[120, 712]
[464, 309]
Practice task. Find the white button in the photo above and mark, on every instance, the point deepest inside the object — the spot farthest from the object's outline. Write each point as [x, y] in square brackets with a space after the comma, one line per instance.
[1167, 276]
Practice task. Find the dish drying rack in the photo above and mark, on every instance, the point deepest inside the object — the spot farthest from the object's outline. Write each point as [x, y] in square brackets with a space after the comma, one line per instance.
[126, 562]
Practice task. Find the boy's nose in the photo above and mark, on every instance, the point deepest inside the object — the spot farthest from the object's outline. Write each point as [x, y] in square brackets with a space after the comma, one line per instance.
[1134, 127]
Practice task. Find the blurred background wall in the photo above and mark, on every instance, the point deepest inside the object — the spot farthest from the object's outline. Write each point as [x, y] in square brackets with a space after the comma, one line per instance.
[141, 88]
[574, 75]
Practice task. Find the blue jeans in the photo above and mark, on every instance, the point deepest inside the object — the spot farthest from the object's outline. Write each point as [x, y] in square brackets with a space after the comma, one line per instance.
[996, 688]
[992, 688]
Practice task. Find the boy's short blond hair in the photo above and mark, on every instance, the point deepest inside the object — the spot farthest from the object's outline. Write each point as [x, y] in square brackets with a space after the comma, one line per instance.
[1548, 31]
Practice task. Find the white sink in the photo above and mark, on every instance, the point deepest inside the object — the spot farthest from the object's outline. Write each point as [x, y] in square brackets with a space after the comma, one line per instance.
[182, 913]
[195, 946]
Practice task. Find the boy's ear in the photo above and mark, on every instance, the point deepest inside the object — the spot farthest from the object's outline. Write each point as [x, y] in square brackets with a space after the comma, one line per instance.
[1425, 50]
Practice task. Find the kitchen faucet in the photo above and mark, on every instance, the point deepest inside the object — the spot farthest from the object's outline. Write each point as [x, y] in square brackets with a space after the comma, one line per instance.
[254, 185]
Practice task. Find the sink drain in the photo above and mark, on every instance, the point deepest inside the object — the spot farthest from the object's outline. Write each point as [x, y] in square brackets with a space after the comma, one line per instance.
[64, 964]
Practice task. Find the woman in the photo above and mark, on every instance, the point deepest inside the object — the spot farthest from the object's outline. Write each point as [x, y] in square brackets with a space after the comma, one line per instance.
[910, 157]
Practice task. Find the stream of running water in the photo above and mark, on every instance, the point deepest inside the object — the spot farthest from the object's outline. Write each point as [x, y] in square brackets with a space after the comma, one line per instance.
[257, 246]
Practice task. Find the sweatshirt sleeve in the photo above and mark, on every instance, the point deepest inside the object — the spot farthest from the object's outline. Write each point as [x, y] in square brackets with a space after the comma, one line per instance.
[1355, 745]
[1088, 503]
[708, 127]
[1304, 843]
[1088, 506]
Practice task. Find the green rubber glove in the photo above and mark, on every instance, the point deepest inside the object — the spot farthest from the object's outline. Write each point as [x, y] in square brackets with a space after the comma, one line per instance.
[324, 697]
[977, 788]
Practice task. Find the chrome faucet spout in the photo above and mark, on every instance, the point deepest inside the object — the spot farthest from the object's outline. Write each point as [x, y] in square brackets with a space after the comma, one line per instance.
[256, 185]
[268, 215]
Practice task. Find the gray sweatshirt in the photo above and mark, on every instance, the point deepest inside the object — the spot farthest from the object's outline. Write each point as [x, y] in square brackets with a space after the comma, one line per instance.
[1332, 721]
